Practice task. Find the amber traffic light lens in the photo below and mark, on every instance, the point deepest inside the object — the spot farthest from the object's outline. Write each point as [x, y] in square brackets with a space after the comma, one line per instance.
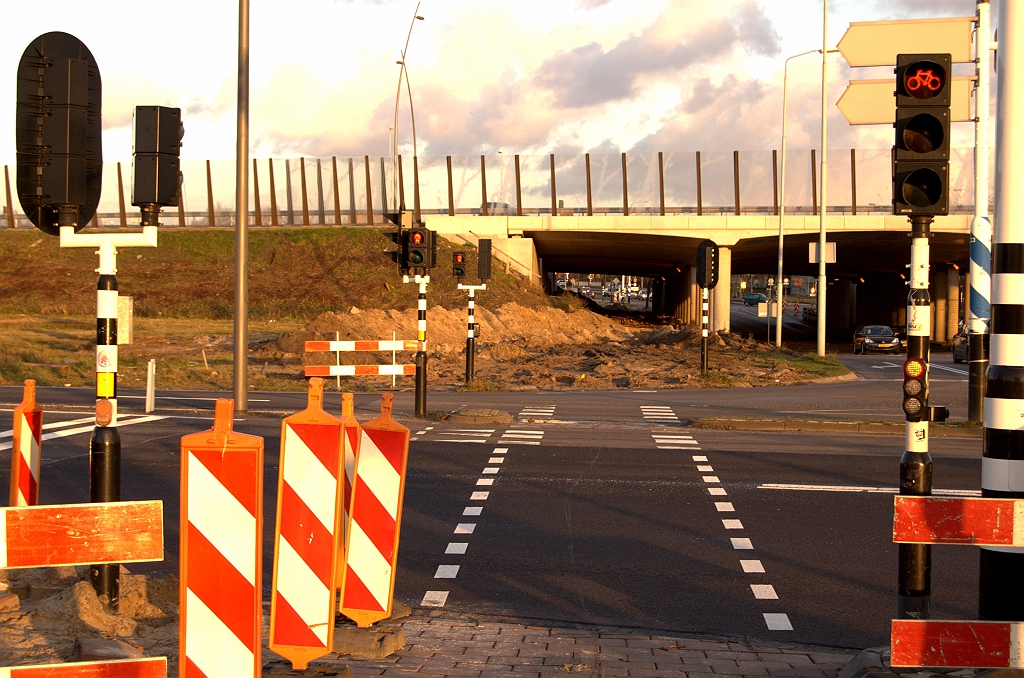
[924, 79]
[922, 188]
[923, 134]
[913, 369]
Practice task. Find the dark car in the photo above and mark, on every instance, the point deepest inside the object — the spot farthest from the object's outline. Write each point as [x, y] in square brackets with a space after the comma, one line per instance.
[960, 345]
[754, 298]
[875, 338]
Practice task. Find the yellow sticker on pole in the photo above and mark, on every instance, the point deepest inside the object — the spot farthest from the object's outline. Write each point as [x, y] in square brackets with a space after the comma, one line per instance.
[105, 383]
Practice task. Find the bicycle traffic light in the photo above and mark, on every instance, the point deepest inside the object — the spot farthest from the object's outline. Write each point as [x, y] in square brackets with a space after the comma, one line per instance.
[459, 264]
[921, 159]
[420, 249]
[707, 264]
[915, 389]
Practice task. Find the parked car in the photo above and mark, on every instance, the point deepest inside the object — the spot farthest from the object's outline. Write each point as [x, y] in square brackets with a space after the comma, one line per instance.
[960, 345]
[869, 338]
[754, 298]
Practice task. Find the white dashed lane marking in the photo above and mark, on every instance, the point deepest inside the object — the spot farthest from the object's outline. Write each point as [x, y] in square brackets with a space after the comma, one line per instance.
[522, 437]
[537, 412]
[775, 621]
[459, 548]
[659, 413]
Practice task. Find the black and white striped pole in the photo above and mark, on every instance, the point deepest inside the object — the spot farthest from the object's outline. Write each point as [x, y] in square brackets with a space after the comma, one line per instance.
[1001, 584]
[707, 278]
[421, 353]
[471, 329]
[914, 578]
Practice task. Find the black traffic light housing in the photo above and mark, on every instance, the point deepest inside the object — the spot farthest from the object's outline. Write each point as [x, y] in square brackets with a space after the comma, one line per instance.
[483, 259]
[921, 152]
[707, 264]
[459, 264]
[420, 248]
[58, 132]
[156, 176]
[915, 390]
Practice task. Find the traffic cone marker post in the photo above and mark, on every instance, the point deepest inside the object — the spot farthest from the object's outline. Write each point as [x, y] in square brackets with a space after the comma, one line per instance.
[221, 601]
[26, 449]
[310, 492]
[371, 543]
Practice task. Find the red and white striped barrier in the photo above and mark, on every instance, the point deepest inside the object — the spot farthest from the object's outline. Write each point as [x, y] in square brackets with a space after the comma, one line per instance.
[351, 432]
[385, 345]
[309, 495]
[28, 433]
[359, 370]
[362, 370]
[80, 534]
[145, 667]
[958, 520]
[964, 644]
[371, 544]
[221, 540]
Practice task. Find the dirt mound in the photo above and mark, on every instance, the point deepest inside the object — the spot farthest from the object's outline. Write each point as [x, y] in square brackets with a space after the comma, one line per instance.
[59, 605]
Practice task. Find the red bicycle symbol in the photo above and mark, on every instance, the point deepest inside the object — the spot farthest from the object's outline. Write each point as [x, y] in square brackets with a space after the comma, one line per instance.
[925, 79]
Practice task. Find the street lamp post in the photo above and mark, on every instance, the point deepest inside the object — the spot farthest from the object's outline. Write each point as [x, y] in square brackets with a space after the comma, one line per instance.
[403, 73]
[822, 286]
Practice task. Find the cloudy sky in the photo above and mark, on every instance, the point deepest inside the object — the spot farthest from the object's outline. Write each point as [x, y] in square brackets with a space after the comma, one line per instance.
[523, 76]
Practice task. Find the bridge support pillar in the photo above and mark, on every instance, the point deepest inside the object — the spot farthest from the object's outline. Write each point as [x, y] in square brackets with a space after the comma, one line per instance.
[694, 309]
[939, 306]
[658, 297]
[952, 292]
[722, 293]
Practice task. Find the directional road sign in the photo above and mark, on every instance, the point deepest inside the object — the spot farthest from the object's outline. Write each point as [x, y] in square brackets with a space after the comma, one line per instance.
[876, 43]
[871, 102]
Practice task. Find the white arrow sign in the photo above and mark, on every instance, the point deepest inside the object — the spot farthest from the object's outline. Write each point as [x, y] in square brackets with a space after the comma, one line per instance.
[871, 102]
[876, 43]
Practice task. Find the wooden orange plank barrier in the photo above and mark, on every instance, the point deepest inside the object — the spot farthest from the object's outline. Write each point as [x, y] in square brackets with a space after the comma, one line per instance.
[966, 644]
[146, 667]
[362, 370]
[958, 520]
[310, 489]
[221, 541]
[371, 544]
[27, 433]
[80, 534]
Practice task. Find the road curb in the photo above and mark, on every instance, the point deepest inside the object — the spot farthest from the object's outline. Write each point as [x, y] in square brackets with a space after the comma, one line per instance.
[817, 426]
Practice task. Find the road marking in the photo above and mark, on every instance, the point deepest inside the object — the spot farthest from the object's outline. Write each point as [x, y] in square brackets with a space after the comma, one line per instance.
[446, 572]
[732, 524]
[472, 510]
[700, 457]
[948, 369]
[474, 430]
[710, 479]
[861, 488]
[485, 481]
[64, 433]
[434, 599]
[671, 437]
[456, 548]
[479, 496]
[481, 441]
[658, 413]
[706, 469]
[764, 592]
[160, 397]
[741, 543]
[717, 491]
[491, 470]
[465, 528]
[777, 621]
[52, 425]
[495, 460]
[724, 506]
[753, 566]
[421, 433]
[521, 437]
[500, 450]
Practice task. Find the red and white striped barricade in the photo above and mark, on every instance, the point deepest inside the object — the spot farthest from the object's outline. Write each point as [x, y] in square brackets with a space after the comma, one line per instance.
[362, 370]
[310, 488]
[350, 434]
[221, 540]
[371, 544]
[965, 644]
[25, 449]
[144, 667]
[81, 534]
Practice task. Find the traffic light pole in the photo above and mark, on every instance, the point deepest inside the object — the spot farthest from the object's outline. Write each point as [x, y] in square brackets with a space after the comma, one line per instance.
[421, 337]
[471, 330]
[704, 330]
[1001, 590]
[981, 232]
[914, 585]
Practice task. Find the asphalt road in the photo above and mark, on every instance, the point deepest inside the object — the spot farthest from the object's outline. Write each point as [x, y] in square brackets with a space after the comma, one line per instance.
[598, 511]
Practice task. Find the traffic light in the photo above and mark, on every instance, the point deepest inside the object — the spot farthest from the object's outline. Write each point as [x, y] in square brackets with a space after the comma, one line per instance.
[156, 172]
[915, 389]
[58, 132]
[459, 264]
[921, 159]
[483, 259]
[707, 264]
[398, 256]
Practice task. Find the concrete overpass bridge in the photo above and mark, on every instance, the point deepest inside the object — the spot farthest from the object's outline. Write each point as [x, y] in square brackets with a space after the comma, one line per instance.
[864, 285]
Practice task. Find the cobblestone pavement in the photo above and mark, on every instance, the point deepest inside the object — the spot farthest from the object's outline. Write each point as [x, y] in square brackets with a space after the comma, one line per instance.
[449, 644]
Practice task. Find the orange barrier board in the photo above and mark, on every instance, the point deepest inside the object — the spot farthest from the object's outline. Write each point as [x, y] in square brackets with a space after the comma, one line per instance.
[958, 520]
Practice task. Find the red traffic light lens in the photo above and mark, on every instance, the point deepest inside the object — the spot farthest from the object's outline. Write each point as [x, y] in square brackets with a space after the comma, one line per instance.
[924, 79]
[416, 238]
[913, 368]
[459, 258]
